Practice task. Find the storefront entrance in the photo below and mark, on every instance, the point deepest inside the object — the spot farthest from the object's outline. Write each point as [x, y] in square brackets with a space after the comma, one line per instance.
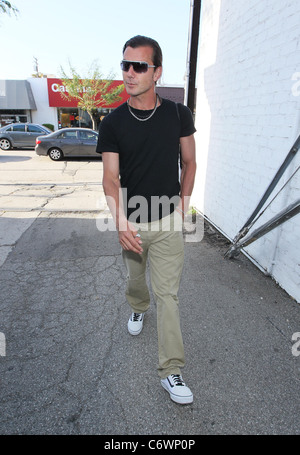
[73, 117]
[68, 117]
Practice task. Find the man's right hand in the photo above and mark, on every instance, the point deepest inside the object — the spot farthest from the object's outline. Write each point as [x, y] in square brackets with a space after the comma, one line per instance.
[129, 238]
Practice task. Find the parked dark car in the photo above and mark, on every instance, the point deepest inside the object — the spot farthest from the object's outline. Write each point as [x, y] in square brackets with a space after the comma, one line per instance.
[68, 142]
[21, 135]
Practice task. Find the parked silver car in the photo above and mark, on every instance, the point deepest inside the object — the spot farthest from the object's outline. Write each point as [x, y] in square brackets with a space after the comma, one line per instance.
[21, 135]
[68, 142]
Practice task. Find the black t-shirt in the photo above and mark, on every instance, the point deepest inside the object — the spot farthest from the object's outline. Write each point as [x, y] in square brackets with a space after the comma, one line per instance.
[148, 156]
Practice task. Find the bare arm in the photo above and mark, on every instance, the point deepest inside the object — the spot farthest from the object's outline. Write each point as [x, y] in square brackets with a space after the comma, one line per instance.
[188, 156]
[112, 190]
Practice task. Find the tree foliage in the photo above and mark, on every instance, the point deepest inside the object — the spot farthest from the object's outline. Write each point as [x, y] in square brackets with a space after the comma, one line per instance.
[91, 92]
[7, 7]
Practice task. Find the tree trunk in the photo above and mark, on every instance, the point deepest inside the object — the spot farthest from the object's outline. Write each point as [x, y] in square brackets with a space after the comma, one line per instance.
[93, 120]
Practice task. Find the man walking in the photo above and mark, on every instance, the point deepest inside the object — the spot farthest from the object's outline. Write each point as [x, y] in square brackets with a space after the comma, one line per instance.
[139, 142]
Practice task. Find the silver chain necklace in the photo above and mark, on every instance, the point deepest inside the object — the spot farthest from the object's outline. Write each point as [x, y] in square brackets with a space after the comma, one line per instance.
[147, 118]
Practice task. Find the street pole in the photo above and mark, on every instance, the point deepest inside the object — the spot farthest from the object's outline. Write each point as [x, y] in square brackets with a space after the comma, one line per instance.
[193, 40]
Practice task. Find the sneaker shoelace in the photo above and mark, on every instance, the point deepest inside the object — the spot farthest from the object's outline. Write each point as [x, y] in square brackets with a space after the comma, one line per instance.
[177, 379]
[136, 317]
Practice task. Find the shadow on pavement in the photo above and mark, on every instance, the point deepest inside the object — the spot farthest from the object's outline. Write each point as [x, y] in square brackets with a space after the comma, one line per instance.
[72, 368]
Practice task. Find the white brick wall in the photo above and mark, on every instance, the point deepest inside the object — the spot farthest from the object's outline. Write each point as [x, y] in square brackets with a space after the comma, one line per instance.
[247, 119]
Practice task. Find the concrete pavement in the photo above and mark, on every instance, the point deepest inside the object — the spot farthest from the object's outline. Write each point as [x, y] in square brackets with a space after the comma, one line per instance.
[70, 366]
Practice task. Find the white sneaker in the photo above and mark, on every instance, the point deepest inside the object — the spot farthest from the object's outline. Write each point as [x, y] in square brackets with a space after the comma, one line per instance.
[177, 389]
[135, 323]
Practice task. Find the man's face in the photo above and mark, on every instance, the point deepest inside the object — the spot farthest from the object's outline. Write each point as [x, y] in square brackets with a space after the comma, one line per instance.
[137, 84]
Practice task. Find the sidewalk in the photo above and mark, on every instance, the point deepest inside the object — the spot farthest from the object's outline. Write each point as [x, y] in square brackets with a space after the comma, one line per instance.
[72, 368]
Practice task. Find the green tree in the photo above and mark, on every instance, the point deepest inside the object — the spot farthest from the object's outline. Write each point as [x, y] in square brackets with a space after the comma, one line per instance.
[92, 91]
[7, 7]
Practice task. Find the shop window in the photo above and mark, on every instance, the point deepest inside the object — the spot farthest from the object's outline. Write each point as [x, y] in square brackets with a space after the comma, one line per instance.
[13, 116]
[70, 117]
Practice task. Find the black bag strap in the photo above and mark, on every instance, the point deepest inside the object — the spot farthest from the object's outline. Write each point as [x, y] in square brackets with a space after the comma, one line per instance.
[180, 160]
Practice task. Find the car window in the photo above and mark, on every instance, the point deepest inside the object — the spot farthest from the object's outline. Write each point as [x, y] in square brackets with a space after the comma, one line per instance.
[88, 135]
[68, 135]
[18, 127]
[9, 128]
[34, 129]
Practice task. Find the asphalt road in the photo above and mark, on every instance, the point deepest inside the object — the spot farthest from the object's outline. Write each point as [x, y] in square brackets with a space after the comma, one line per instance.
[67, 362]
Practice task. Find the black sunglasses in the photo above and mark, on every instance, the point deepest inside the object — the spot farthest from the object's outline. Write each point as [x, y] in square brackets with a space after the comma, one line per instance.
[138, 67]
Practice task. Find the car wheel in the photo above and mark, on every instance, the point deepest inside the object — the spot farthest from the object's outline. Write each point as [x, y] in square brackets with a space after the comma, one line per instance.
[56, 154]
[5, 144]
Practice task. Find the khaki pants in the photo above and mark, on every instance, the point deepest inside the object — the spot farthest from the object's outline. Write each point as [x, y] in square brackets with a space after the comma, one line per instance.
[163, 245]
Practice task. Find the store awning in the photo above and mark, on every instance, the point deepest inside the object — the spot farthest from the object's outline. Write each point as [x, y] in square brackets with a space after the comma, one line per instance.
[16, 94]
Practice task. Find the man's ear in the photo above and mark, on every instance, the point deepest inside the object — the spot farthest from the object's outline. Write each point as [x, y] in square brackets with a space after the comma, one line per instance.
[157, 73]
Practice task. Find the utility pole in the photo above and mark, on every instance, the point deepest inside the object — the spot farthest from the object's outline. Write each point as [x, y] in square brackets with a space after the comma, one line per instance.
[36, 65]
[194, 29]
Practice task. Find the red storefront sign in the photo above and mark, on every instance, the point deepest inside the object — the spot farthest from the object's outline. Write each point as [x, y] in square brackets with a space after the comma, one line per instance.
[56, 100]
